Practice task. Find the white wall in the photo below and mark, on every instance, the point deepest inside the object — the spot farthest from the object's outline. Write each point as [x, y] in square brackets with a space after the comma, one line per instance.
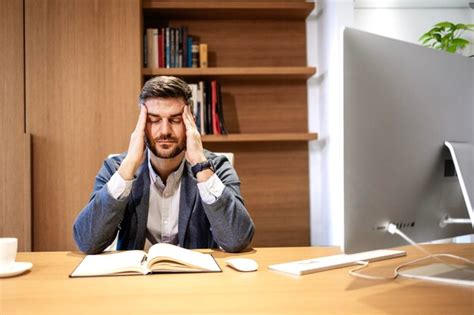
[325, 117]
[324, 29]
[410, 24]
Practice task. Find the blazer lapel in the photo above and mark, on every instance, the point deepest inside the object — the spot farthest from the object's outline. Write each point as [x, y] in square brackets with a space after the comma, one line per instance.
[141, 198]
[187, 202]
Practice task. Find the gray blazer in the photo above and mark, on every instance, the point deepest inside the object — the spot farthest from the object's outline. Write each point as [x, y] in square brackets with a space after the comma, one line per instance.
[225, 223]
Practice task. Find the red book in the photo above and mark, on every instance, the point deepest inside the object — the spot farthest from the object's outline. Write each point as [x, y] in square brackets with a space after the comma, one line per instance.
[161, 49]
[215, 118]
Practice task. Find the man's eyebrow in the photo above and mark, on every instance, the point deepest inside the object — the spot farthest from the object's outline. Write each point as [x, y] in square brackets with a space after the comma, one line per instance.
[156, 115]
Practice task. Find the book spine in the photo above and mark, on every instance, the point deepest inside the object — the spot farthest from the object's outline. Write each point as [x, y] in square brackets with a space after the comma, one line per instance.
[155, 48]
[207, 88]
[184, 39]
[190, 52]
[168, 48]
[194, 91]
[203, 55]
[215, 119]
[179, 48]
[220, 110]
[145, 51]
[149, 40]
[163, 48]
[173, 48]
[160, 49]
[195, 55]
[202, 107]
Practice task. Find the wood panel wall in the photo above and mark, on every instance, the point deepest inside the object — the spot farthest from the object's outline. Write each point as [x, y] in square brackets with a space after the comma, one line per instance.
[83, 62]
[15, 214]
[82, 76]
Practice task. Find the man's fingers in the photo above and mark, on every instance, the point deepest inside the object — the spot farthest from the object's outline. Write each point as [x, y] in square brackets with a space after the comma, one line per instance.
[141, 118]
[188, 118]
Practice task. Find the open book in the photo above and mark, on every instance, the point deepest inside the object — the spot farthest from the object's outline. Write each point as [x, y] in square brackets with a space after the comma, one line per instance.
[161, 258]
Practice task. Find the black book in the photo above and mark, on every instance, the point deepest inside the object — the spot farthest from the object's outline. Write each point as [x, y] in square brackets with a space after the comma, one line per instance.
[208, 88]
[220, 111]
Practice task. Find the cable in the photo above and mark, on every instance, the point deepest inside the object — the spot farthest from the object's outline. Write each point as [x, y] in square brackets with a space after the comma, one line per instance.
[391, 228]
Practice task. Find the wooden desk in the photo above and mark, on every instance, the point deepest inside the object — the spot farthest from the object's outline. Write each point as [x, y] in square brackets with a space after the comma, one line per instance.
[46, 289]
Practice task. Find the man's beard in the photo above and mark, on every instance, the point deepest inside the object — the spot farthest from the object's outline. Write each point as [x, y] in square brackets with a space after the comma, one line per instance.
[180, 147]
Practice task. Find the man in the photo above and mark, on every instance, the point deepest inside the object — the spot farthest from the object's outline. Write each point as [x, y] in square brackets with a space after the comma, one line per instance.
[166, 188]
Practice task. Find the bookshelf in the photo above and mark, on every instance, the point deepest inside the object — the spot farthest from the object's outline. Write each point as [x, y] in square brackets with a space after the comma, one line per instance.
[257, 51]
[260, 137]
[262, 72]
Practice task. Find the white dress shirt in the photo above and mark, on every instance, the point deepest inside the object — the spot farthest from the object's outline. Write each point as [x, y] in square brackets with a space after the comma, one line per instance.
[163, 213]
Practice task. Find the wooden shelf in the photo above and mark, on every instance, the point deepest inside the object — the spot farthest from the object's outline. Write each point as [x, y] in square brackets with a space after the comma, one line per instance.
[260, 137]
[257, 50]
[227, 9]
[264, 72]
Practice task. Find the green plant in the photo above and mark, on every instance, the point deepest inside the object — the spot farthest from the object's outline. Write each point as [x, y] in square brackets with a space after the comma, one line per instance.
[447, 36]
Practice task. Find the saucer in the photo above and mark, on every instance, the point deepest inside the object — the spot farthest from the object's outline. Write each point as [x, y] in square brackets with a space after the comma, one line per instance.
[16, 269]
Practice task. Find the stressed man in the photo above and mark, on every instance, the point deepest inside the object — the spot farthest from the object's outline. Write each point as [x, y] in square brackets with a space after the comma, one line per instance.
[166, 187]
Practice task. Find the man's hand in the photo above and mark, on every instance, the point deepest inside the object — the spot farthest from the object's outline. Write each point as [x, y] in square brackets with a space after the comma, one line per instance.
[194, 150]
[136, 148]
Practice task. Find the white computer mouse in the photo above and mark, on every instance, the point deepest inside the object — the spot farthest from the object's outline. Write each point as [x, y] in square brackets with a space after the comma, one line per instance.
[242, 264]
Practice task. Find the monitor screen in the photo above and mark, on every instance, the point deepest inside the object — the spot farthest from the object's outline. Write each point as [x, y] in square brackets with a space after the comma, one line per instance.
[401, 103]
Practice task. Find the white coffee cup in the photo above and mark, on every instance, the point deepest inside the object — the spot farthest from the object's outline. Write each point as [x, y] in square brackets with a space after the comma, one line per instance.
[8, 248]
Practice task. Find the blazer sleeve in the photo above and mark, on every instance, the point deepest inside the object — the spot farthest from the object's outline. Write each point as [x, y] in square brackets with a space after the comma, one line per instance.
[97, 224]
[232, 227]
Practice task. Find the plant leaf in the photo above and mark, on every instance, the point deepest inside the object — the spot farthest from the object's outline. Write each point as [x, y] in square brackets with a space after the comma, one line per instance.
[425, 36]
[426, 41]
[461, 26]
[451, 49]
[461, 42]
[445, 25]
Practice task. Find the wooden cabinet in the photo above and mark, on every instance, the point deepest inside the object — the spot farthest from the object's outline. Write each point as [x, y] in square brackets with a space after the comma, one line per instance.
[257, 51]
[15, 203]
[82, 83]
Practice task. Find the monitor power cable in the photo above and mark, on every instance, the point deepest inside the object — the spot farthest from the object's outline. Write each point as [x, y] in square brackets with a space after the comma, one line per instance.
[392, 229]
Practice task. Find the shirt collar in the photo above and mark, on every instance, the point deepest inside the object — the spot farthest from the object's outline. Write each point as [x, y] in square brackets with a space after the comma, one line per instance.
[173, 179]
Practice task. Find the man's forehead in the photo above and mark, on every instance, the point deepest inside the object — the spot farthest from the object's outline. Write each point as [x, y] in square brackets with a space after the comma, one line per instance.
[165, 106]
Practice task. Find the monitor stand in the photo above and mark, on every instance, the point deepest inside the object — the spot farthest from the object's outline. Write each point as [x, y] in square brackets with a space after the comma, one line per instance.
[463, 157]
[443, 273]
[458, 274]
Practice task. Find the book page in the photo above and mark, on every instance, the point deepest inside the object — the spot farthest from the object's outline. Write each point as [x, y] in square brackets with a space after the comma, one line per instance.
[111, 263]
[168, 252]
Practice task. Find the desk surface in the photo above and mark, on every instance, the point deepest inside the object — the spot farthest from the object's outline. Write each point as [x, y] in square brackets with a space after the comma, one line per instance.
[46, 289]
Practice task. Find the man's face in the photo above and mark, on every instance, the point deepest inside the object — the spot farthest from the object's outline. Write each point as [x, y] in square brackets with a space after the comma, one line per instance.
[165, 128]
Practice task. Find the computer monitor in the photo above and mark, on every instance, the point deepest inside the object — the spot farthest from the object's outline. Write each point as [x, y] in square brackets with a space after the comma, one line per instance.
[402, 102]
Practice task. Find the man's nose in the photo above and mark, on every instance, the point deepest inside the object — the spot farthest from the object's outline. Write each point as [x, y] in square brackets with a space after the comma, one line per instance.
[165, 127]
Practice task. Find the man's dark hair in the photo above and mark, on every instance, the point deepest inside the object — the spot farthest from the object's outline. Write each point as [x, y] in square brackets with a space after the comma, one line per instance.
[166, 87]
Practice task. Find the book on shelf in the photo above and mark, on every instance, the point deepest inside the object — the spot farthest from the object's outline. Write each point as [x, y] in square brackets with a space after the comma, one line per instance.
[203, 55]
[215, 118]
[195, 55]
[161, 48]
[220, 110]
[202, 107]
[161, 258]
[152, 47]
[207, 107]
[167, 48]
[172, 47]
[194, 91]
[189, 48]
[183, 46]
[145, 51]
